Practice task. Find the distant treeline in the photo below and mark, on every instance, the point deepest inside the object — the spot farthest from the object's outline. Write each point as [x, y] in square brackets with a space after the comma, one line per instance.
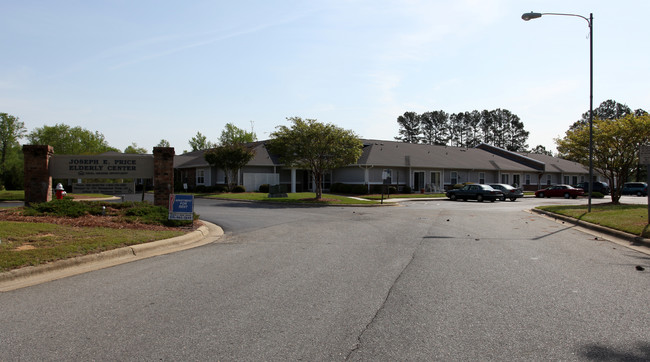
[498, 127]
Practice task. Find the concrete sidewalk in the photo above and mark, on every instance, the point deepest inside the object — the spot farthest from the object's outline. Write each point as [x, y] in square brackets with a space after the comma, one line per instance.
[28, 276]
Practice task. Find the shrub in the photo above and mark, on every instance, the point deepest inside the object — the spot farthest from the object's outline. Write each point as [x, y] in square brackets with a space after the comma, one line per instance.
[392, 190]
[200, 189]
[359, 189]
[458, 186]
[143, 212]
[407, 189]
[65, 207]
[597, 195]
[238, 189]
[341, 188]
[264, 188]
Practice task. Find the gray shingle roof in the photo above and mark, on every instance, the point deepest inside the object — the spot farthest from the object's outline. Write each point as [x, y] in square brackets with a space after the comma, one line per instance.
[396, 154]
[399, 154]
[555, 164]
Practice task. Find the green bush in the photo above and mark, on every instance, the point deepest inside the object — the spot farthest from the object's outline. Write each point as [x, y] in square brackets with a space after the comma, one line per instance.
[359, 189]
[597, 195]
[143, 212]
[63, 208]
[264, 188]
[407, 190]
[238, 189]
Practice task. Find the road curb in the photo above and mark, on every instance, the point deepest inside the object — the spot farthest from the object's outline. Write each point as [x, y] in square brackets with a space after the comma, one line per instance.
[633, 239]
[33, 275]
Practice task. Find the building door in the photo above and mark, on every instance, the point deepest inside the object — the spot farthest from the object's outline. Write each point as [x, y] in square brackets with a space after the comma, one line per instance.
[418, 180]
[436, 186]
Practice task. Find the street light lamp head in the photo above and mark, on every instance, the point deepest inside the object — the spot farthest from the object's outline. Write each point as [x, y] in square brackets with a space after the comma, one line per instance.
[531, 15]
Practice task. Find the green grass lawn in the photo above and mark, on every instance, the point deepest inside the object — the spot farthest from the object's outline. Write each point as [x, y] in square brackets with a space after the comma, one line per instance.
[299, 197]
[402, 196]
[25, 243]
[12, 195]
[632, 219]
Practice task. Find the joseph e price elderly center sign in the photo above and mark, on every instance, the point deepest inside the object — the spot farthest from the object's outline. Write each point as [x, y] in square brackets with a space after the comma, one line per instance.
[101, 166]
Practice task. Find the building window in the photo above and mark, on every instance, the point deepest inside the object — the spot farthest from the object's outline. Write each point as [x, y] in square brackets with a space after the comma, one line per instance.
[454, 177]
[548, 179]
[200, 177]
[566, 179]
[505, 178]
[516, 180]
[527, 179]
[481, 177]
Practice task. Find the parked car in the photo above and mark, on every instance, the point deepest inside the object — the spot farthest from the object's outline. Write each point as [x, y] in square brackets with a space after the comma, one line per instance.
[601, 187]
[635, 188]
[478, 192]
[509, 192]
[565, 191]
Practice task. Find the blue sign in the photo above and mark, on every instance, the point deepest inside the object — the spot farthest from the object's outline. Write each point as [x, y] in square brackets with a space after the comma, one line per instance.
[181, 207]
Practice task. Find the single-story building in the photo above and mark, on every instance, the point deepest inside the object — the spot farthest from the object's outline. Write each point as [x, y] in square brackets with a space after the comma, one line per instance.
[419, 166]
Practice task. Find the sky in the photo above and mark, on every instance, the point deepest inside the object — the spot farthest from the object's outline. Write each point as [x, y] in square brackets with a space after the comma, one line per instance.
[146, 70]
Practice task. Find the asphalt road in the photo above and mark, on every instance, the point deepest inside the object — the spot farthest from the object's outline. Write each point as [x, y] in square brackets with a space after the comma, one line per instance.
[430, 280]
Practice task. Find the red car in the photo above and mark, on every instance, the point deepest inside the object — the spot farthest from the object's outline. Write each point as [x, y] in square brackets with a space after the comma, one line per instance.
[565, 191]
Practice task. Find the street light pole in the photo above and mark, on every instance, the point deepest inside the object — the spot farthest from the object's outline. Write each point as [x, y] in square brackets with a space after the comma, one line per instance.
[590, 21]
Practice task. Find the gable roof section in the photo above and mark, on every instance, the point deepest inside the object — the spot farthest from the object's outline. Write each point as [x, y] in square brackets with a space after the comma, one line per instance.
[400, 154]
[195, 159]
[513, 156]
[556, 164]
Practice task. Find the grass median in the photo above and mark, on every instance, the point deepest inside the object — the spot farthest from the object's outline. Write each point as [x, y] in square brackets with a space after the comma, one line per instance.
[631, 219]
[298, 197]
[27, 243]
[63, 229]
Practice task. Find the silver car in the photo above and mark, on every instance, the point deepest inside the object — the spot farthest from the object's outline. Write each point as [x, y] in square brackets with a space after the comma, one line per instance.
[509, 192]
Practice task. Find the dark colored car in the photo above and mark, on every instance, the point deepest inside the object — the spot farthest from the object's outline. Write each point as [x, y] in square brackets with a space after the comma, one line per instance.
[635, 188]
[476, 192]
[601, 187]
[509, 192]
[565, 191]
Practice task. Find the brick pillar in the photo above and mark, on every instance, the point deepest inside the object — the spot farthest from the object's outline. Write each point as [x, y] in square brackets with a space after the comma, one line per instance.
[163, 175]
[38, 183]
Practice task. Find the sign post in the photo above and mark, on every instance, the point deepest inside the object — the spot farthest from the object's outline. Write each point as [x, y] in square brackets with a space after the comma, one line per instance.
[181, 207]
[644, 159]
[386, 178]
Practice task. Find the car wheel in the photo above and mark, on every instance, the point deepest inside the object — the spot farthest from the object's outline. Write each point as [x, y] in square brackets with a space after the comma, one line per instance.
[452, 197]
[503, 198]
[567, 195]
[512, 199]
[541, 194]
[638, 193]
[479, 198]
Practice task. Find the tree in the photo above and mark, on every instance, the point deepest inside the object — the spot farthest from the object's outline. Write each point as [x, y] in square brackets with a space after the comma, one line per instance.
[200, 142]
[539, 149]
[11, 130]
[409, 128]
[163, 143]
[234, 135]
[615, 147]
[231, 158]
[435, 128]
[133, 148]
[315, 146]
[70, 140]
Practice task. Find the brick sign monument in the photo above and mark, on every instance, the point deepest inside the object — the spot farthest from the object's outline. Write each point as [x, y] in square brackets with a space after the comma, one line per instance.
[41, 165]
